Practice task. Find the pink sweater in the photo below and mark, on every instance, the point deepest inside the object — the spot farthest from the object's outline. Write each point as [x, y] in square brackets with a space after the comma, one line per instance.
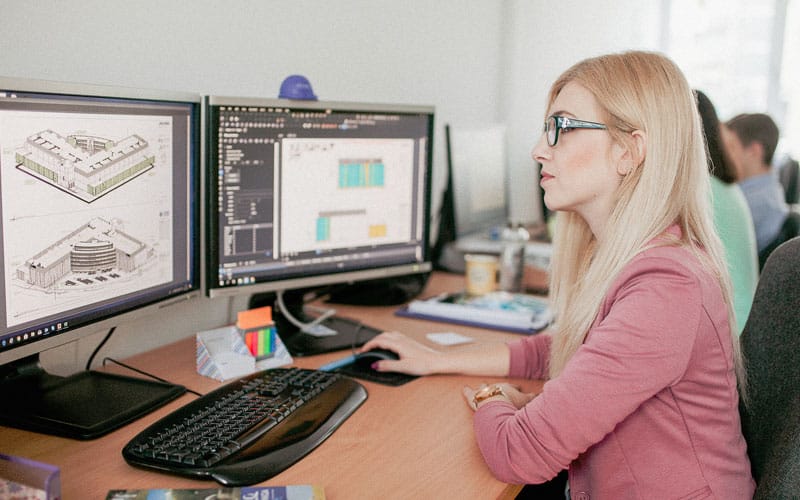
[646, 408]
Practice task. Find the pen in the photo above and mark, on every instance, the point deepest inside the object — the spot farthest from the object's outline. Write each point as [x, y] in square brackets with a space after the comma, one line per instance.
[338, 363]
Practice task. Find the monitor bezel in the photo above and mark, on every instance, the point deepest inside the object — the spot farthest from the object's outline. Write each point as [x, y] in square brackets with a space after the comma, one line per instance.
[102, 320]
[326, 278]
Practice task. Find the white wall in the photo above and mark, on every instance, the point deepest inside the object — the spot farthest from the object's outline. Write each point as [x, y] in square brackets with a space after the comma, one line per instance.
[546, 38]
[476, 61]
[444, 53]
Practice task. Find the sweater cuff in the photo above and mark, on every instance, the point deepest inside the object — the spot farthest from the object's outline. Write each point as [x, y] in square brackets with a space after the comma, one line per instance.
[529, 357]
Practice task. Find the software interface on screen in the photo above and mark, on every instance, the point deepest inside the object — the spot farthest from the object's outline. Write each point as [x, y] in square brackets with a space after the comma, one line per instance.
[304, 193]
[97, 209]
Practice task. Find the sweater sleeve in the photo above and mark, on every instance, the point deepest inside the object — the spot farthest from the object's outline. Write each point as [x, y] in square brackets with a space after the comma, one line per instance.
[640, 345]
[530, 356]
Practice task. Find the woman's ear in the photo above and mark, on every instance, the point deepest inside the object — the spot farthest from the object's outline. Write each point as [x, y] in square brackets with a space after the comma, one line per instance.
[634, 155]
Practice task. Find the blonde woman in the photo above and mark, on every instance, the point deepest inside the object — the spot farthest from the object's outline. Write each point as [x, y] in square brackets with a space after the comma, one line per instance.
[642, 397]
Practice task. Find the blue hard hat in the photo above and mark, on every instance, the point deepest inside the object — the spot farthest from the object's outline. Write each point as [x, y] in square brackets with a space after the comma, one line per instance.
[297, 87]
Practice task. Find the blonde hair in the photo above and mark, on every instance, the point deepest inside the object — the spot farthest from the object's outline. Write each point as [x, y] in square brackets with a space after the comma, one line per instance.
[636, 91]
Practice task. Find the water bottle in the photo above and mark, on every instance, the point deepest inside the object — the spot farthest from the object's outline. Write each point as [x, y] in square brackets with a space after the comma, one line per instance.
[512, 257]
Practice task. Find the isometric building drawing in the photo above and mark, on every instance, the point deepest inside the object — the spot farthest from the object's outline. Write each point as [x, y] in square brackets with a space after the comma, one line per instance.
[83, 165]
[94, 248]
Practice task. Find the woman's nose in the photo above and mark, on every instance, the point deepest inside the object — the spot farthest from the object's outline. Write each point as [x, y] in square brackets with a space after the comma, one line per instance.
[541, 151]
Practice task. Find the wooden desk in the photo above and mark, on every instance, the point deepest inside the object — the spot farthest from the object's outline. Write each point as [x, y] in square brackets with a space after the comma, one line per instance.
[413, 441]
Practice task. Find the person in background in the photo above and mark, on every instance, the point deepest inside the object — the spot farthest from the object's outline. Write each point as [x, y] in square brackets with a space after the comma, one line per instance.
[641, 399]
[731, 215]
[751, 140]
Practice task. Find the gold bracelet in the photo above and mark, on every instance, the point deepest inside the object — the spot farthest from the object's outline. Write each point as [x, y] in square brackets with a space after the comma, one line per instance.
[487, 392]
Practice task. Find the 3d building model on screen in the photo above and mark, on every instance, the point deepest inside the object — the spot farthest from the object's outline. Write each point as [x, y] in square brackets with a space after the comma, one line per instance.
[83, 165]
[91, 254]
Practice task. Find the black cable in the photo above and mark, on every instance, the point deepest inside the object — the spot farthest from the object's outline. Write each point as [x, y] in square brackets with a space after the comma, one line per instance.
[99, 346]
[102, 343]
[146, 374]
[356, 333]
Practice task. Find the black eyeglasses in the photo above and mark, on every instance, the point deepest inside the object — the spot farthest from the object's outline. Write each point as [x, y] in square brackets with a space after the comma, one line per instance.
[553, 124]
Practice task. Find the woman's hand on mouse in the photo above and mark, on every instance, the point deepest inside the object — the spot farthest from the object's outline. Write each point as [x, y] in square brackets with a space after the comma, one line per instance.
[415, 358]
[479, 358]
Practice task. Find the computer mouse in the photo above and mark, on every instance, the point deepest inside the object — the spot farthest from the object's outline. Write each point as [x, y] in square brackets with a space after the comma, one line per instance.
[366, 358]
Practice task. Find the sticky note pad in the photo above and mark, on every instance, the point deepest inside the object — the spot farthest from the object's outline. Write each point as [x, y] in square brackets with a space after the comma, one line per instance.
[253, 318]
[257, 330]
[260, 341]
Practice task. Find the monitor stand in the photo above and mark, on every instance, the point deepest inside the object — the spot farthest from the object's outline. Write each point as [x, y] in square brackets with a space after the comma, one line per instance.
[85, 405]
[333, 333]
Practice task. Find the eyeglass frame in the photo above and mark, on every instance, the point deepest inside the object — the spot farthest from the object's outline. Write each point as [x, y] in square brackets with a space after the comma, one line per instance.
[564, 122]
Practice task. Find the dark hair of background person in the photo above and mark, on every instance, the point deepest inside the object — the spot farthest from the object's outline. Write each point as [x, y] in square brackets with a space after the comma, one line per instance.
[719, 163]
[756, 127]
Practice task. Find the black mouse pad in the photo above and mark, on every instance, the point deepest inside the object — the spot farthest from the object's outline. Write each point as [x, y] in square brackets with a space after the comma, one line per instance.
[365, 373]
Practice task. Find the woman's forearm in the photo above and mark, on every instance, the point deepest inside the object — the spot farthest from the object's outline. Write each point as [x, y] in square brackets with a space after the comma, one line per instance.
[491, 359]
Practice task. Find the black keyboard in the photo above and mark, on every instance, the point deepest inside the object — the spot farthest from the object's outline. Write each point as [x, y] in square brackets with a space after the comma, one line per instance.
[248, 430]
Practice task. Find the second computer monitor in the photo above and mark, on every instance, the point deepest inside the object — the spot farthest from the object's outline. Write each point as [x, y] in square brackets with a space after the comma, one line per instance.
[308, 193]
[99, 224]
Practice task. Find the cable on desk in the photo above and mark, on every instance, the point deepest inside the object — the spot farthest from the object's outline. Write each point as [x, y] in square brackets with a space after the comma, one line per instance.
[146, 374]
[120, 363]
[302, 325]
[356, 333]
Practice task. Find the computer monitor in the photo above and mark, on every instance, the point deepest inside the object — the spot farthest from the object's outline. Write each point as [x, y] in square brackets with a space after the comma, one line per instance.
[477, 160]
[304, 195]
[474, 207]
[99, 223]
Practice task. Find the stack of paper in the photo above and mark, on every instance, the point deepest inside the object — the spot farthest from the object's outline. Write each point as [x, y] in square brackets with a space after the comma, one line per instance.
[515, 312]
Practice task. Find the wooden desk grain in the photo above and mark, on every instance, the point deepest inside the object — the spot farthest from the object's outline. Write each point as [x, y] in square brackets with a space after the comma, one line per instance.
[413, 441]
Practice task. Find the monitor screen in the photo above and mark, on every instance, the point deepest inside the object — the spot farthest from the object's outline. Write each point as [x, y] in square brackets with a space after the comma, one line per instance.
[479, 176]
[99, 208]
[310, 193]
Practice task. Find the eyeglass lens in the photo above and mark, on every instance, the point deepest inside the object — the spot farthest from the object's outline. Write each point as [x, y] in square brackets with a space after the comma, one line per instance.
[551, 129]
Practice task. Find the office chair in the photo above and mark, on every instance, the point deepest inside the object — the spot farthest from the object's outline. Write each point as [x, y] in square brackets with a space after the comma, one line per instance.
[789, 229]
[788, 175]
[770, 345]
